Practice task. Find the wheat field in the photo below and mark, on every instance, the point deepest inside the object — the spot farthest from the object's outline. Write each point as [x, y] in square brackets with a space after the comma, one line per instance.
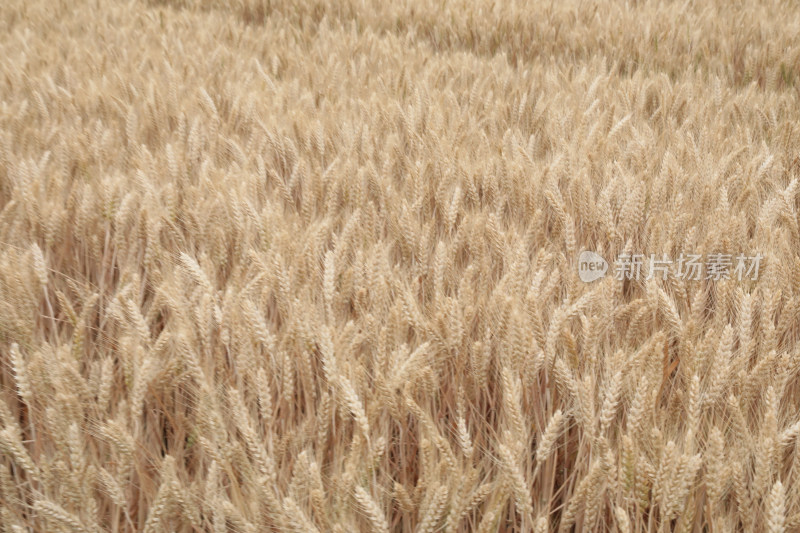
[312, 266]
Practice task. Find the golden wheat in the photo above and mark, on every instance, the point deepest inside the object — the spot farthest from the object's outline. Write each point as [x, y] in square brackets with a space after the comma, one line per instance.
[313, 266]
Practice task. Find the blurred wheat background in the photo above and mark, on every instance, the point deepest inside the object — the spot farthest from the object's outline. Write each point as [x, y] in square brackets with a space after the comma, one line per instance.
[278, 265]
